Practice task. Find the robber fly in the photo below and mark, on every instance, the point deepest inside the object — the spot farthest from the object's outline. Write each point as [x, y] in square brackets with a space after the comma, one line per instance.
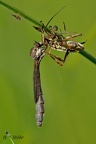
[37, 53]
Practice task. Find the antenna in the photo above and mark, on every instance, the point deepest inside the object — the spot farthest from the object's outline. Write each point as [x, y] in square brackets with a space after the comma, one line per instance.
[54, 16]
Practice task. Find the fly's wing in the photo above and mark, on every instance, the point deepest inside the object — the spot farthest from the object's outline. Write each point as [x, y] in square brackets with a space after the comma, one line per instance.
[38, 95]
[37, 53]
[36, 81]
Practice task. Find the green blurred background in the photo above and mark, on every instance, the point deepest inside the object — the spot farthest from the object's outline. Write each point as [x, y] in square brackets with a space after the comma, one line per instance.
[69, 91]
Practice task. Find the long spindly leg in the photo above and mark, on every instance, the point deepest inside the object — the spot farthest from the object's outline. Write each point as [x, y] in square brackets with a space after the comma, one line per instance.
[66, 54]
[58, 60]
[72, 36]
[42, 35]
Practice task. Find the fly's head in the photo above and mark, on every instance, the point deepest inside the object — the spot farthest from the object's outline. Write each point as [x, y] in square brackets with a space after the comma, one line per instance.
[37, 52]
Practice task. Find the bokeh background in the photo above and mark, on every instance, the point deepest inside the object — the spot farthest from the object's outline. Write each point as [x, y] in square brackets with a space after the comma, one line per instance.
[69, 91]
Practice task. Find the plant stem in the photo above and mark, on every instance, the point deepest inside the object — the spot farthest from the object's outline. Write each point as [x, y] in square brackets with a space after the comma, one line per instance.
[88, 56]
[82, 52]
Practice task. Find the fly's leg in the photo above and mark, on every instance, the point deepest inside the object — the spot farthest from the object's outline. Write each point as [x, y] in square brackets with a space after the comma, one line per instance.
[72, 36]
[57, 59]
[43, 39]
[66, 54]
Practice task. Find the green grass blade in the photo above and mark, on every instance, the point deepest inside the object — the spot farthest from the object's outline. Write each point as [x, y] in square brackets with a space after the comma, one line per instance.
[88, 56]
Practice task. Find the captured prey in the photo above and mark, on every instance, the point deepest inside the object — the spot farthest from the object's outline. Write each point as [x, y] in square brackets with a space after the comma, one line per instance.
[37, 53]
[57, 41]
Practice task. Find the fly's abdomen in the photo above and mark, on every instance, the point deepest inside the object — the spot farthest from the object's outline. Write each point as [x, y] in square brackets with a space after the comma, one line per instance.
[39, 110]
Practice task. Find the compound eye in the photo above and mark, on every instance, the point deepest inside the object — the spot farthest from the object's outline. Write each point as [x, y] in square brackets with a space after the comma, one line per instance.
[50, 27]
[55, 28]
